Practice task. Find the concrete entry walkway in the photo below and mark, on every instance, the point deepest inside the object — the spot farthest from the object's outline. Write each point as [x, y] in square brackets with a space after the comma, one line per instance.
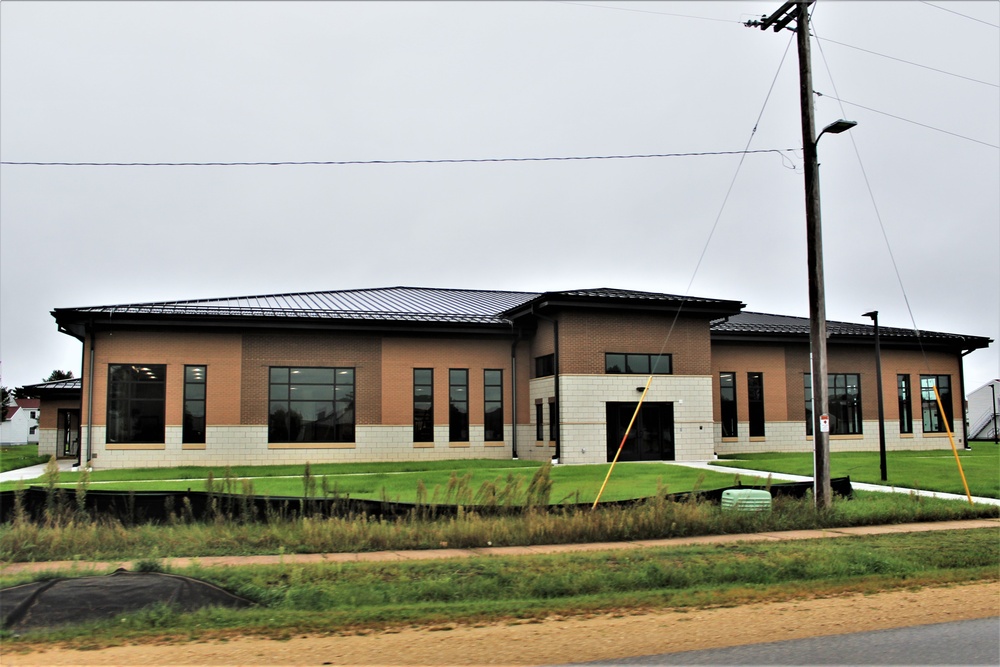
[860, 486]
[35, 471]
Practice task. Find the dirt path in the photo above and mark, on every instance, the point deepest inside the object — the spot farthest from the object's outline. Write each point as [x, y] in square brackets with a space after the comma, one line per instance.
[562, 640]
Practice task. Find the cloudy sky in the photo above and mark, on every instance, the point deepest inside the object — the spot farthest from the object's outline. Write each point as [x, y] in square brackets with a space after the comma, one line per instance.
[911, 209]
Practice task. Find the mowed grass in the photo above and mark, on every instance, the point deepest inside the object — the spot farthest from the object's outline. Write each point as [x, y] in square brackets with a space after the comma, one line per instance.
[292, 599]
[13, 457]
[933, 470]
[400, 482]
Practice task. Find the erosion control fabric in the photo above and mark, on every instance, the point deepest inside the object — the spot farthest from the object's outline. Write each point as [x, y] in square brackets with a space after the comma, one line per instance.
[60, 602]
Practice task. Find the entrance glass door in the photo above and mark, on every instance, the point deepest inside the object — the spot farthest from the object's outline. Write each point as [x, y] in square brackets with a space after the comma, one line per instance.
[69, 433]
[652, 435]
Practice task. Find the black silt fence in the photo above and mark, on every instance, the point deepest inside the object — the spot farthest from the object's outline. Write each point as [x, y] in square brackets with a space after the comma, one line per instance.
[132, 507]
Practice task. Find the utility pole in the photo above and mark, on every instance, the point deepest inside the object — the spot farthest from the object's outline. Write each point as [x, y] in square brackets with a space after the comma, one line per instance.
[798, 11]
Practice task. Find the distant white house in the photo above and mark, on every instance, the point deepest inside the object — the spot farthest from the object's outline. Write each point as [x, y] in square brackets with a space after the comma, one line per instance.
[21, 425]
[984, 411]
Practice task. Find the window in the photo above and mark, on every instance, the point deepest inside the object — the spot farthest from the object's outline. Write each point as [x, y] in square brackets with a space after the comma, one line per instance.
[458, 405]
[844, 399]
[423, 405]
[905, 409]
[311, 405]
[31, 431]
[33, 415]
[639, 364]
[195, 378]
[727, 403]
[755, 401]
[553, 421]
[545, 365]
[493, 405]
[539, 423]
[136, 403]
[931, 413]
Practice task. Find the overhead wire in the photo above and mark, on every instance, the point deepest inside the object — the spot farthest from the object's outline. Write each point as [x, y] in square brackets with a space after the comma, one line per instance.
[779, 151]
[694, 273]
[878, 214]
[905, 120]
[908, 62]
[965, 16]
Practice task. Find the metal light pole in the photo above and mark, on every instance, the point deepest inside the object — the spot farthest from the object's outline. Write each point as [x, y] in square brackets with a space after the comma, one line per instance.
[881, 406]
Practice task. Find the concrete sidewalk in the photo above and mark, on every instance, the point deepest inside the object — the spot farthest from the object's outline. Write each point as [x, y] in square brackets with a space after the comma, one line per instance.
[858, 486]
[35, 471]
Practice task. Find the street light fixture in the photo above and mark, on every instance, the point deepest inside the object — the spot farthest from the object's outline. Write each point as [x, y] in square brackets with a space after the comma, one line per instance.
[881, 408]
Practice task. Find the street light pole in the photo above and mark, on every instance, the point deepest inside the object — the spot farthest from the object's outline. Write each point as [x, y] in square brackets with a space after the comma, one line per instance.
[881, 406]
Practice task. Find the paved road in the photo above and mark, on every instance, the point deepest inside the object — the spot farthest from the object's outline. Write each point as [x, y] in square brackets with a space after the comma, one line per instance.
[960, 643]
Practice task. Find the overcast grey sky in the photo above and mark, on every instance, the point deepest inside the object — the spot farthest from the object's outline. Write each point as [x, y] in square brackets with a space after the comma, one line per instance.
[263, 81]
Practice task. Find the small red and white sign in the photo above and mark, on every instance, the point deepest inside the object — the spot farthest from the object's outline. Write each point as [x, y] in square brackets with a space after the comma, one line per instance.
[824, 423]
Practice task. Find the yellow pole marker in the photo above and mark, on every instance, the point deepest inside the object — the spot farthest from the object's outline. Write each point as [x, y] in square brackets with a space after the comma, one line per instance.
[624, 438]
[952, 441]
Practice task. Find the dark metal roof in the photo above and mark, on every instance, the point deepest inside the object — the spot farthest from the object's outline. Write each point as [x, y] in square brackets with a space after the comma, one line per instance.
[52, 388]
[748, 325]
[387, 304]
[609, 297]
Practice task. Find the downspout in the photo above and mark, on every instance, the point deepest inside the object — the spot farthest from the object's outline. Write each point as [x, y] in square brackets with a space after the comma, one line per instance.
[513, 396]
[555, 379]
[961, 382]
[90, 404]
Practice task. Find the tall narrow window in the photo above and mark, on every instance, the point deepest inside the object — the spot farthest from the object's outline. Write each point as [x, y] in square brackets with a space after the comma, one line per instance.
[905, 404]
[553, 421]
[311, 405]
[493, 405]
[195, 379]
[458, 405]
[933, 423]
[844, 399]
[423, 405]
[727, 403]
[539, 422]
[137, 396]
[755, 401]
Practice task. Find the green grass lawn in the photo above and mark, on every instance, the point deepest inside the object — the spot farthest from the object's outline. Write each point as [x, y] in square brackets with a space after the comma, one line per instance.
[293, 599]
[13, 457]
[933, 470]
[400, 481]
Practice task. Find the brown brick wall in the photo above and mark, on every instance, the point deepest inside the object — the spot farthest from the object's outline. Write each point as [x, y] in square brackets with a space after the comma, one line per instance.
[741, 359]
[220, 352]
[49, 411]
[584, 338]
[401, 355]
[783, 367]
[327, 349]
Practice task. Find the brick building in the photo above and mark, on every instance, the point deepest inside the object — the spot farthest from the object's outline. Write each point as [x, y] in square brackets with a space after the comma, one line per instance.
[412, 373]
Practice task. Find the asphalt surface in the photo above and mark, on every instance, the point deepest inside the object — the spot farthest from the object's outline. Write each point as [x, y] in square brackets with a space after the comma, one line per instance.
[974, 642]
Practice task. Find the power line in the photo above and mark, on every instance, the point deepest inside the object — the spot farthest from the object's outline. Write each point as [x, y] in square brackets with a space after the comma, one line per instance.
[965, 16]
[779, 151]
[906, 120]
[908, 62]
